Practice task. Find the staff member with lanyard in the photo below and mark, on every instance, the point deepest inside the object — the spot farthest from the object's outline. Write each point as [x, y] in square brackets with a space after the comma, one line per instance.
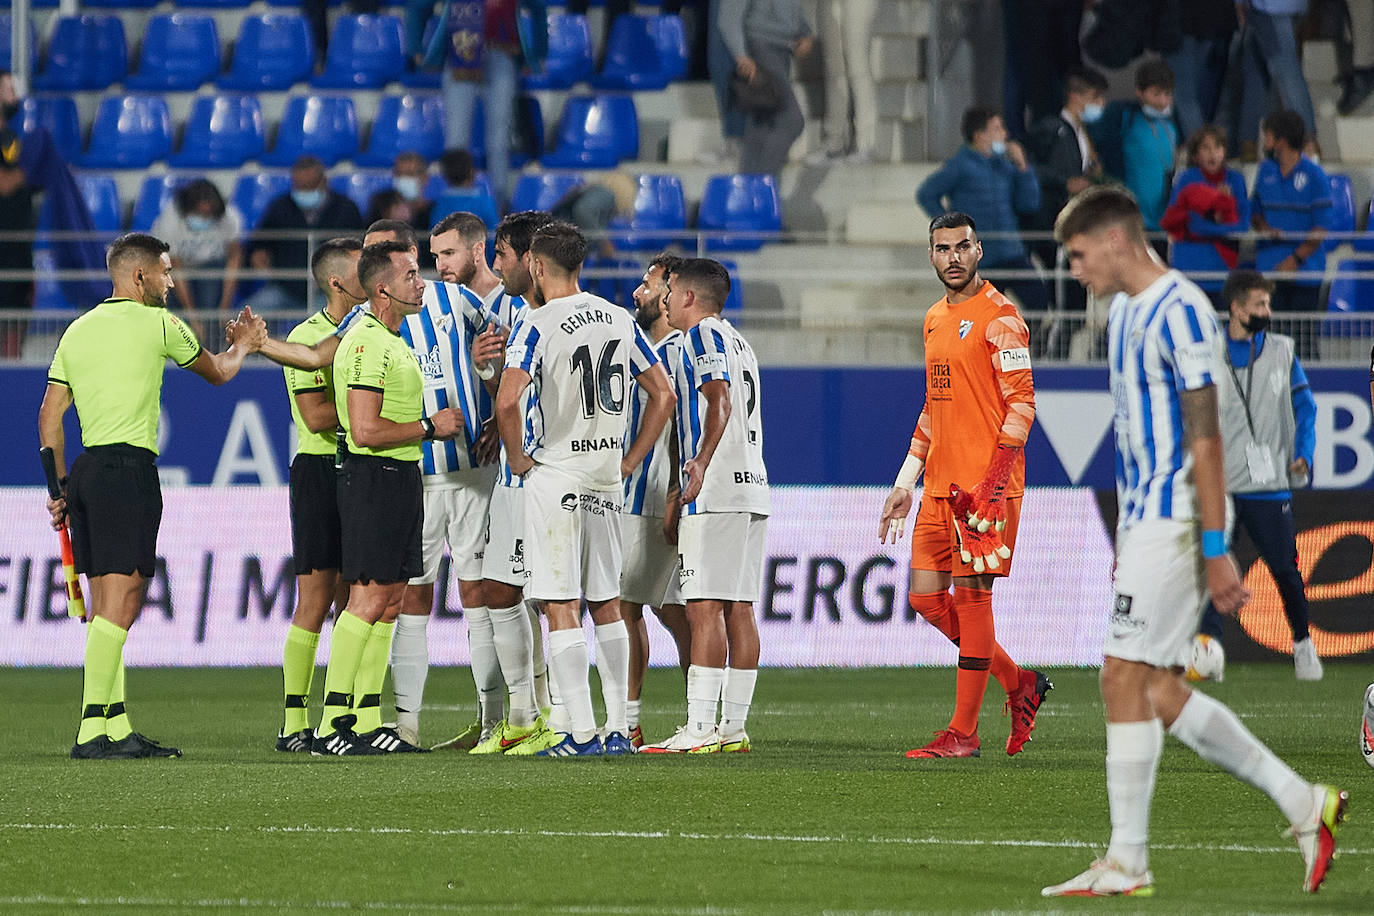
[109, 362]
[1269, 440]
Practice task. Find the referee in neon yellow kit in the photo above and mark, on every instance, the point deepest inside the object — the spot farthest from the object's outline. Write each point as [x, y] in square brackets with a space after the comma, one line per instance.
[110, 362]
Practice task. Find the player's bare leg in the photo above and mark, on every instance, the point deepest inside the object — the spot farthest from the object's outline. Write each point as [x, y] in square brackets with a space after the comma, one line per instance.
[674, 618]
[316, 591]
[636, 629]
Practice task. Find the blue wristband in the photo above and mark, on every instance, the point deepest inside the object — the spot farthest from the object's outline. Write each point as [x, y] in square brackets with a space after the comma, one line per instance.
[1213, 544]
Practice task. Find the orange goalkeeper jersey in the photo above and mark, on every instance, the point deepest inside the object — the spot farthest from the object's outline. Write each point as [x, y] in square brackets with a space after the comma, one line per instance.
[979, 391]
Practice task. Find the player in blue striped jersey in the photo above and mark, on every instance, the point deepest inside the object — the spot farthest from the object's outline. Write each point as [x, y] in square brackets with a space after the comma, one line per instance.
[1170, 548]
[577, 352]
[725, 508]
[648, 573]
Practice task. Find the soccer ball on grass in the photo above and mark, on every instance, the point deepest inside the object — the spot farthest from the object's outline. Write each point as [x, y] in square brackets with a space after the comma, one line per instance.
[1208, 661]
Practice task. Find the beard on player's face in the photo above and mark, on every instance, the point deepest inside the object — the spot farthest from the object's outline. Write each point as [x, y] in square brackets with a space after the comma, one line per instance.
[649, 311]
[959, 281]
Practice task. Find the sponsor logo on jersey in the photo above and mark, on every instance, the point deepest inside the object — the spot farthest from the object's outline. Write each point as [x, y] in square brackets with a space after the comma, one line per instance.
[598, 506]
[1014, 359]
[1121, 607]
[750, 477]
[568, 502]
[939, 379]
[430, 366]
[707, 363]
[517, 557]
[595, 445]
[965, 326]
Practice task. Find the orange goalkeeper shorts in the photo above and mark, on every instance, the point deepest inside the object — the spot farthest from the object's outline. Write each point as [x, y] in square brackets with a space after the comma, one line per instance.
[934, 545]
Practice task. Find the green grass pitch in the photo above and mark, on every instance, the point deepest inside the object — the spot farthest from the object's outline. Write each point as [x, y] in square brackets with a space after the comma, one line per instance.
[824, 816]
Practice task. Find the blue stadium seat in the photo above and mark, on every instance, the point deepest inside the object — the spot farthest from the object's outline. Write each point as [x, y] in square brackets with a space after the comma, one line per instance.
[1194, 257]
[180, 52]
[746, 206]
[595, 132]
[1342, 208]
[1365, 241]
[273, 51]
[359, 186]
[659, 205]
[365, 52]
[523, 147]
[405, 122]
[252, 194]
[671, 41]
[632, 57]
[129, 132]
[222, 131]
[541, 191]
[323, 126]
[6, 40]
[121, 4]
[570, 54]
[102, 199]
[216, 4]
[56, 114]
[86, 52]
[1352, 294]
[734, 303]
[154, 196]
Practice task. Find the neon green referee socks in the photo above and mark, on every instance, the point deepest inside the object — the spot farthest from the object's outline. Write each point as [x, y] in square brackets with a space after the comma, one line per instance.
[117, 724]
[351, 635]
[297, 674]
[367, 687]
[104, 648]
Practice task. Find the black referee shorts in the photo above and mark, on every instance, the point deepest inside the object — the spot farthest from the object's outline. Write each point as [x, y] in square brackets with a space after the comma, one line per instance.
[381, 509]
[316, 538]
[114, 509]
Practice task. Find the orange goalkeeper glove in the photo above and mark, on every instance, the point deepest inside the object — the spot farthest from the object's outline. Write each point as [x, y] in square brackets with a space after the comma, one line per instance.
[988, 503]
[982, 549]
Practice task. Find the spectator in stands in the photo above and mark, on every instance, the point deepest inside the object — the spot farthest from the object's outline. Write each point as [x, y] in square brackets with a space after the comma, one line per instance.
[1291, 209]
[310, 205]
[1209, 203]
[1199, 64]
[487, 47]
[204, 233]
[1358, 82]
[1269, 59]
[1149, 140]
[990, 179]
[614, 9]
[591, 206]
[16, 215]
[461, 192]
[1042, 49]
[316, 13]
[721, 66]
[763, 36]
[1065, 159]
[846, 34]
[409, 174]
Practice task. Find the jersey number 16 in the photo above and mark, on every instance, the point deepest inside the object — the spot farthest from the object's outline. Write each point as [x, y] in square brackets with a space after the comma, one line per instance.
[604, 384]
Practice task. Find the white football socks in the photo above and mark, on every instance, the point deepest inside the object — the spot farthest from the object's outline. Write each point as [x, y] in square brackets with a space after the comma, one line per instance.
[542, 697]
[736, 696]
[703, 695]
[568, 665]
[511, 632]
[1212, 730]
[1133, 752]
[613, 667]
[486, 667]
[410, 668]
[632, 715]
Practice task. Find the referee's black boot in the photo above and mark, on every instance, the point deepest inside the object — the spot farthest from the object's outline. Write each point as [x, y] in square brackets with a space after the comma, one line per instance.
[102, 748]
[143, 746]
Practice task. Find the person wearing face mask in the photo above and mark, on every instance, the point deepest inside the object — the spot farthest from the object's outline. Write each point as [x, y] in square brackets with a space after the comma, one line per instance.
[1148, 141]
[1268, 443]
[991, 179]
[204, 234]
[409, 175]
[310, 205]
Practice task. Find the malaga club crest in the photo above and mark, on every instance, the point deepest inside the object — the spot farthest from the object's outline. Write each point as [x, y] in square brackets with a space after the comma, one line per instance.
[965, 326]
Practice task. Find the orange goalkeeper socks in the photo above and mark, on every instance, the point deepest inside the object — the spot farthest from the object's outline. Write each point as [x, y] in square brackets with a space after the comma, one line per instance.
[977, 641]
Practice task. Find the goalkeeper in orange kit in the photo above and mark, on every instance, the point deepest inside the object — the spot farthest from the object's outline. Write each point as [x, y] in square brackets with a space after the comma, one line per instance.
[970, 441]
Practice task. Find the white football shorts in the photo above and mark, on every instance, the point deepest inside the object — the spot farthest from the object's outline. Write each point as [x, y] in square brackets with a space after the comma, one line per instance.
[455, 513]
[648, 566]
[504, 557]
[572, 537]
[1160, 591]
[721, 556]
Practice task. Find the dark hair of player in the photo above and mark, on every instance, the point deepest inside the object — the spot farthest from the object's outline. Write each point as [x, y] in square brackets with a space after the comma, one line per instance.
[562, 243]
[375, 261]
[1096, 208]
[669, 262]
[517, 229]
[327, 256]
[456, 167]
[133, 246]
[954, 219]
[1287, 126]
[1241, 282]
[707, 277]
[975, 119]
[469, 226]
[399, 227]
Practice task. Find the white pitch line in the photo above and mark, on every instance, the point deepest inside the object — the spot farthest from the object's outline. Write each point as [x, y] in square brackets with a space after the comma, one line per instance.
[385, 906]
[840, 840]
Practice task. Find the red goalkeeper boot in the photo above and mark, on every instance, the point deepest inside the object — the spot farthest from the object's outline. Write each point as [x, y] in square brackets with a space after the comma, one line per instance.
[1022, 706]
[948, 743]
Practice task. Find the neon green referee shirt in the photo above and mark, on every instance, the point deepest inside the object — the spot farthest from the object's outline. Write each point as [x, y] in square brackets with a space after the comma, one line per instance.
[373, 357]
[298, 381]
[112, 358]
